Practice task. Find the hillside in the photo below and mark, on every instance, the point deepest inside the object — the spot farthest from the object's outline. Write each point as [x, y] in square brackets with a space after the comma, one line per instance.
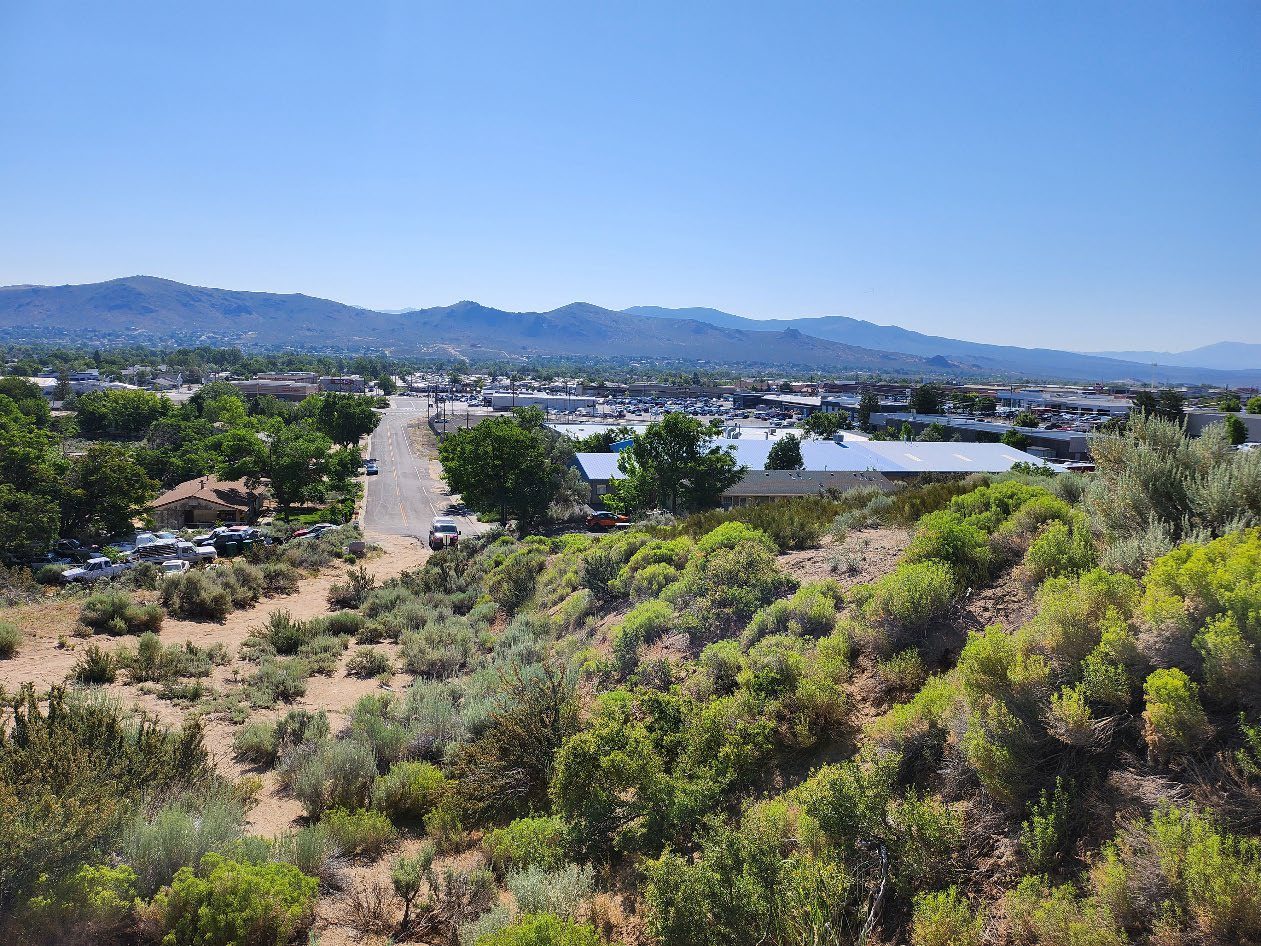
[1203, 363]
[145, 309]
[973, 713]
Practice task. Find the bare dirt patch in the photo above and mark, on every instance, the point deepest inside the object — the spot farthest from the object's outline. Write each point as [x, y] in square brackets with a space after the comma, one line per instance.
[862, 556]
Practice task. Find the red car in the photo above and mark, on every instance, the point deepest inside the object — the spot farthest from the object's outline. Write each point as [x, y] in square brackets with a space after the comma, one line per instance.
[603, 519]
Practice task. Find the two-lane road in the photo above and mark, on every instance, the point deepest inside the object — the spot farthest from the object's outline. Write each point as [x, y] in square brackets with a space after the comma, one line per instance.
[408, 492]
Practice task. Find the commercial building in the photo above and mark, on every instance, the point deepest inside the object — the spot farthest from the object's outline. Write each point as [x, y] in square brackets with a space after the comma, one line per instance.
[893, 460]
[1062, 444]
[567, 403]
[284, 389]
[344, 384]
[1065, 400]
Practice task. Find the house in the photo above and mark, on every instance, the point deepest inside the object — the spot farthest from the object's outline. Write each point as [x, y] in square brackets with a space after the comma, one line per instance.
[207, 501]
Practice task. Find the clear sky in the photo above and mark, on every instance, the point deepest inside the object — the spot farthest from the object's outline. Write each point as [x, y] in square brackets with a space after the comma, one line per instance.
[1073, 174]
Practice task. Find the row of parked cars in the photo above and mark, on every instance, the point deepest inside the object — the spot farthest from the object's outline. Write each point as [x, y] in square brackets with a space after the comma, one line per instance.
[168, 550]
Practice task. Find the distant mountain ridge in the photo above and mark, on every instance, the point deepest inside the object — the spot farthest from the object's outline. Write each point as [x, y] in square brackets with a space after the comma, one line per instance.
[1224, 356]
[150, 310]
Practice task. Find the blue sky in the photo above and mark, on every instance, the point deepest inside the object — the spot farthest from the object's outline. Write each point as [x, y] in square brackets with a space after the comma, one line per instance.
[1071, 174]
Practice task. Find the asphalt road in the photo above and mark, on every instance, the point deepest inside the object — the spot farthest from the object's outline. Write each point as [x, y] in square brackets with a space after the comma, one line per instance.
[408, 492]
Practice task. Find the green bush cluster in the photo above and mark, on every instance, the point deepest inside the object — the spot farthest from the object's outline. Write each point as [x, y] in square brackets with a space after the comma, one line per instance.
[115, 612]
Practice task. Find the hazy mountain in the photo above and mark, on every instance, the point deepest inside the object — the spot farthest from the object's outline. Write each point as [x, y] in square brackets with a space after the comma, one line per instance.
[1224, 355]
[147, 309]
[144, 309]
[1033, 362]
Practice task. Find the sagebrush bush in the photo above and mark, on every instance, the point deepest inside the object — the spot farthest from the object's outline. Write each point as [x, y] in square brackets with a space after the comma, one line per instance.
[95, 666]
[369, 662]
[945, 537]
[10, 639]
[196, 594]
[114, 612]
[157, 844]
[652, 580]
[311, 849]
[439, 649]
[336, 774]
[276, 681]
[560, 891]
[256, 743]
[352, 592]
[361, 832]
[539, 929]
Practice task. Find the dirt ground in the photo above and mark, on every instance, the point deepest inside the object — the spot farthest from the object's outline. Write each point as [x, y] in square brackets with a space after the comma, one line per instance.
[41, 660]
[862, 556]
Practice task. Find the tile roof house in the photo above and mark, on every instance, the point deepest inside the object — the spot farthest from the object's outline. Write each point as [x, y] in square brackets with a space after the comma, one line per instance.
[207, 500]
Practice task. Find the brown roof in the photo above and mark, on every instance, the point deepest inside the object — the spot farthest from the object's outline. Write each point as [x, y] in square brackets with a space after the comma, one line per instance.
[233, 494]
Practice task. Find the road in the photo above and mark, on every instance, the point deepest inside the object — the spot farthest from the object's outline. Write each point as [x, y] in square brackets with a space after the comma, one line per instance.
[408, 492]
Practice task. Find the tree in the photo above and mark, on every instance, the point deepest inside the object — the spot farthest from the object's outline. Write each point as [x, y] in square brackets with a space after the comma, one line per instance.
[1254, 405]
[985, 404]
[1026, 418]
[907, 432]
[28, 399]
[1229, 403]
[297, 464]
[674, 464]
[346, 417]
[785, 454]
[119, 412]
[28, 523]
[104, 491]
[1236, 430]
[933, 433]
[825, 424]
[926, 399]
[1167, 404]
[387, 384]
[868, 404]
[499, 466]
[1014, 438]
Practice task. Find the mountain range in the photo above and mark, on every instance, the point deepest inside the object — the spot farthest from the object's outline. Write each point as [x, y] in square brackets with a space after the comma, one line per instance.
[150, 310]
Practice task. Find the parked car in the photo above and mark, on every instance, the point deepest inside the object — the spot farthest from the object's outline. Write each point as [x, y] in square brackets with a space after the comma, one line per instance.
[444, 533]
[94, 568]
[175, 566]
[315, 531]
[603, 519]
[370, 468]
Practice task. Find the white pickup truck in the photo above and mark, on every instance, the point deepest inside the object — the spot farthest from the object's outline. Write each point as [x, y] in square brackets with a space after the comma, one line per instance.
[166, 551]
[94, 568]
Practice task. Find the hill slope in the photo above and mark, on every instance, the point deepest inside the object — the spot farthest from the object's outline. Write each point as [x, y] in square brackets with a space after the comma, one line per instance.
[1034, 362]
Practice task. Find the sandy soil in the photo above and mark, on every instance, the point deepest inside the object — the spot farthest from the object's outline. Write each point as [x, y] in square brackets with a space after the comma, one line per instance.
[862, 556]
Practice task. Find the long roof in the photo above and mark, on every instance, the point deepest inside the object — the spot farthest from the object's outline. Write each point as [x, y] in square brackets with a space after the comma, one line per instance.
[231, 494]
[882, 456]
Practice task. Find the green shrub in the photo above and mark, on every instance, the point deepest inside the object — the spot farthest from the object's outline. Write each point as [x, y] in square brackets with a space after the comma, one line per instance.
[92, 904]
[1231, 667]
[256, 743]
[409, 791]
[196, 594]
[279, 578]
[811, 611]
[352, 592]
[10, 640]
[911, 596]
[1044, 835]
[944, 537]
[285, 634]
[50, 574]
[362, 832]
[1045, 915]
[226, 903]
[277, 681]
[945, 919]
[731, 534]
[95, 666]
[573, 611]
[527, 842]
[652, 580]
[903, 672]
[115, 612]
[1174, 721]
[369, 662]
[542, 930]
[1061, 549]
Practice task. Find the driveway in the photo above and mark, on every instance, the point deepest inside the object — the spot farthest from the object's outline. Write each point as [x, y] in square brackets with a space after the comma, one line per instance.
[408, 492]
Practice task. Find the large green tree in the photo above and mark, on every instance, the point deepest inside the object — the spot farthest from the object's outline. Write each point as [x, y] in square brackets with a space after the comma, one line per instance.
[500, 466]
[675, 465]
[104, 491]
[297, 464]
[119, 412]
[346, 417]
[785, 454]
[926, 399]
[868, 404]
[825, 424]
